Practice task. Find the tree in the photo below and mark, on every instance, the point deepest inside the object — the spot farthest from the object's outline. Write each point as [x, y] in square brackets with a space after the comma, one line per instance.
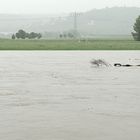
[31, 35]
[17, 35]
[60, 35]
[13, 37]
[70, 35]
[65, 35]
[22, 34]
[39, 36]
[27, 35]
[136, 34]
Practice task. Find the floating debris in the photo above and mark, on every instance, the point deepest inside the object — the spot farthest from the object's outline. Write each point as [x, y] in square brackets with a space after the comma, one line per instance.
[126, 65]
[99, 62]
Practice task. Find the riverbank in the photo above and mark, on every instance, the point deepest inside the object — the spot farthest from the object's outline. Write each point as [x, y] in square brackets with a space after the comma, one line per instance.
[7, 44]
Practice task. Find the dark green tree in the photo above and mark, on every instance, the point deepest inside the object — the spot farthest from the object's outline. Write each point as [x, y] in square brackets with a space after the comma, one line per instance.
[22, 34]
[32, 35]
[39, 35]
[70, 35]
[28, 35]
[17, 35]
[65, 35]
[13, 37]
[60, 35]
[136, 34]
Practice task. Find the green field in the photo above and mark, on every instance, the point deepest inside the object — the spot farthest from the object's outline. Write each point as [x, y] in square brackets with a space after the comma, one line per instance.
[7, 44]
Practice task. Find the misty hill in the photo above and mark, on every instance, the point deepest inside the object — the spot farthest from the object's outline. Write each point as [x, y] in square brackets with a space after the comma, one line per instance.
[107, 21]
[112, 20]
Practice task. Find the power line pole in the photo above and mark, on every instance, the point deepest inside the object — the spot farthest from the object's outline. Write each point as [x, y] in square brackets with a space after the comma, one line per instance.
[75, 23]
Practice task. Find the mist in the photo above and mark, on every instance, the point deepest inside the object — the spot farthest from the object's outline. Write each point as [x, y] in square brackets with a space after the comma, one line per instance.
[61, 6]
[99, 22]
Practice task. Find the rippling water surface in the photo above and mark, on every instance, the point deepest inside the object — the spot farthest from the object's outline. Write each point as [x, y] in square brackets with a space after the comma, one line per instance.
[49, 95]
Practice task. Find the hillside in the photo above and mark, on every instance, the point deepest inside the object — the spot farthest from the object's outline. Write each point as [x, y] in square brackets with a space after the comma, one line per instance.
[107, 21]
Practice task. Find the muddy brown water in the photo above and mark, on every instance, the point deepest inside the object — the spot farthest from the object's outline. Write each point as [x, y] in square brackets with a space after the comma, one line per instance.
[59, 95]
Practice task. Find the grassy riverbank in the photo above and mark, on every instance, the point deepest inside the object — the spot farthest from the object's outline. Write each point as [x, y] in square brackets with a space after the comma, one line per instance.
[7, 44]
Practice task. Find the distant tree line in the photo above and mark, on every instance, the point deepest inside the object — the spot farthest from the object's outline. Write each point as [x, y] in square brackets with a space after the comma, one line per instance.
[69, 34]
[66, 35]
[21, 34]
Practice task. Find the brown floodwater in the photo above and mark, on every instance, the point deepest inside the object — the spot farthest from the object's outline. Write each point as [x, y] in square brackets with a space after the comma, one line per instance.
[59, 95]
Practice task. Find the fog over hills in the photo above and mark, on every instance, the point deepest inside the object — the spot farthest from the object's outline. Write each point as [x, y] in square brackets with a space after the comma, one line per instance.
[107, 21]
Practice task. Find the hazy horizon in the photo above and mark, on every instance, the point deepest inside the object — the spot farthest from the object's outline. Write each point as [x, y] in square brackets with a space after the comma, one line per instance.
[65, 13]
[116, 21]
[61, 6]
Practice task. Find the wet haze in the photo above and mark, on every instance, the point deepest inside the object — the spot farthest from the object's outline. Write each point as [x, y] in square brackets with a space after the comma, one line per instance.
[59, 6]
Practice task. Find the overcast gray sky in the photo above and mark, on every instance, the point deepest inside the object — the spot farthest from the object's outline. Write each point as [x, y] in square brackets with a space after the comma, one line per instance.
[59, 6]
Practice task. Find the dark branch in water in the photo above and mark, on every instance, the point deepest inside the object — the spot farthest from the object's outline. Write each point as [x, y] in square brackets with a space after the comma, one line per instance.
[99, 62]
[126, 65]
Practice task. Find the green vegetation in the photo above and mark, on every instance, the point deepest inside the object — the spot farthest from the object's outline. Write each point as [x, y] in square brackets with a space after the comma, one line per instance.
[7, 44]
[136, 35]
[21, 34]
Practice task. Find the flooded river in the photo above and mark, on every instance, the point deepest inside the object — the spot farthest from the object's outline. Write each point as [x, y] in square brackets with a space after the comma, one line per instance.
[49, 95]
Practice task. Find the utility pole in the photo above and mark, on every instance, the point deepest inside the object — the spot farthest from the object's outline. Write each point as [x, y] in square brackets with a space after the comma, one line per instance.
[75, 23]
